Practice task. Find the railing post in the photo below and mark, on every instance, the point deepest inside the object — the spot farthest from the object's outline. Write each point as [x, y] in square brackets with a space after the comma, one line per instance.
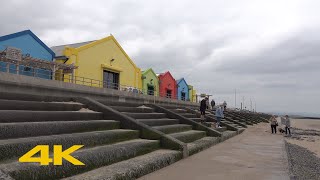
[17, 68]
[54, 73]
[8, 67]
[34, 72]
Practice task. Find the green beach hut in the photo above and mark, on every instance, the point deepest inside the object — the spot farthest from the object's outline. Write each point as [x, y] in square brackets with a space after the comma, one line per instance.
[150, 82]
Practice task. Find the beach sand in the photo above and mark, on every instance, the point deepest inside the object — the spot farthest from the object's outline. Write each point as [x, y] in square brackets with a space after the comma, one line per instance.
[306, 124]
[310, 142]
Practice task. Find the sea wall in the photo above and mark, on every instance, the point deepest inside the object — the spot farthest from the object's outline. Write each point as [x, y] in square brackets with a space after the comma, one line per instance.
[19, 84]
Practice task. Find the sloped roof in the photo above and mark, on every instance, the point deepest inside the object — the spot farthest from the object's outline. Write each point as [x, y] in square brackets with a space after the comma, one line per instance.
[89, 44]
[27, 32]
[149, 70]
[165, 73]
[58, 50]
[182, 79]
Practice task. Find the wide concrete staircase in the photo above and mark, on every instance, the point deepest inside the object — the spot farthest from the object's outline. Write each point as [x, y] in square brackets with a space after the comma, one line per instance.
[109, 152]
[230, 123]
[195, 139]
[236, 119]
[226, 131]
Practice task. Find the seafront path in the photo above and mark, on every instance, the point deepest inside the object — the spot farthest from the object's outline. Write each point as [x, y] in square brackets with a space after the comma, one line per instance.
[254, 154]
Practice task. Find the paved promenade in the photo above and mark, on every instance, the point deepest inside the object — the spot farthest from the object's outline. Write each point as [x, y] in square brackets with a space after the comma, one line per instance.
[255, 154]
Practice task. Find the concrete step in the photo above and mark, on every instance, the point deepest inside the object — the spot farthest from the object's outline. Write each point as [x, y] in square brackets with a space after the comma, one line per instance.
[16, 147]
[228, 134]
[159, 122]
[146, 115]
[227, 122]
[169, 107]
[39, 106]
[189, 136]
[28, 129]
[7, 116]
[222, 129]
[132, 168]
[202, 144]
[173, 128]
[93, 158]
[31, 97]
[133, 109]
[179, 110]
[117, 103]
[196, 119]
[241, 130]
[189, 115]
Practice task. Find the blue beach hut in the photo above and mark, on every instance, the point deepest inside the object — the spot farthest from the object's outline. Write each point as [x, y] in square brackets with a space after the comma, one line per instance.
[182, 90]
[29, 44]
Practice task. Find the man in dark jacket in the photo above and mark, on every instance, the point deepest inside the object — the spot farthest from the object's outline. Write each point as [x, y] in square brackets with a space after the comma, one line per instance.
[203, 107]
[213, 103]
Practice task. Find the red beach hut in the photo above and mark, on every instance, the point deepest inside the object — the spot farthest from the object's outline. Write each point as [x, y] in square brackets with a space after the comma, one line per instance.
[167, 85]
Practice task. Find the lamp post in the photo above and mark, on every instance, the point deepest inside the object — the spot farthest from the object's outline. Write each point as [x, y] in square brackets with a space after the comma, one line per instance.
[235, 98]
[243, 100]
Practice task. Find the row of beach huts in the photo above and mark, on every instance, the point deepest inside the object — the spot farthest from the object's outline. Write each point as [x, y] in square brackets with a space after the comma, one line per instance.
[100, 63]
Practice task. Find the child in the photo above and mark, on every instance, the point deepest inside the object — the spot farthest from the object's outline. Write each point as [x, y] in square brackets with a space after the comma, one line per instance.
[219, 115]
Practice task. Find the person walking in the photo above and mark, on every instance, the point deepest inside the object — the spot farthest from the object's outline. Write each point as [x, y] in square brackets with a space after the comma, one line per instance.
[287, 125]
[213, 103]
[219, 115]
[203, 107]
[274, 124]
[224, 105]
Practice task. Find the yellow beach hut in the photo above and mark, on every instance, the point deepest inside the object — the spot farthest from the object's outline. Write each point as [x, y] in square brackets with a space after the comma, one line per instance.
[192, 94]
[101, 63]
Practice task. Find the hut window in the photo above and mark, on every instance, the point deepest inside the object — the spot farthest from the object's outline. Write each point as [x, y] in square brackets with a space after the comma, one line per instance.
[110, 79]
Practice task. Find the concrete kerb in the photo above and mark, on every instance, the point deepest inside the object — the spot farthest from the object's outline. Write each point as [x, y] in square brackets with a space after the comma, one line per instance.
[127, 122]
[197, 126]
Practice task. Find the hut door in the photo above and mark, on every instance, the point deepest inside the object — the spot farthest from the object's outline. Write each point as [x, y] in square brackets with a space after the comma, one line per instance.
[169, 93]
[183, 96]
[150, 90]
[110, 79]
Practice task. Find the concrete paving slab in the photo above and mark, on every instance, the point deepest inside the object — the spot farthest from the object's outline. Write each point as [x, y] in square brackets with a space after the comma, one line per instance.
[254, 154]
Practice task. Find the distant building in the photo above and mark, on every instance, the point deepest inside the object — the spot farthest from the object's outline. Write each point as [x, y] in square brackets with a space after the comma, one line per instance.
[182, 90]
[167, 85]
[102, 60]
[30, 45]
[150, 82]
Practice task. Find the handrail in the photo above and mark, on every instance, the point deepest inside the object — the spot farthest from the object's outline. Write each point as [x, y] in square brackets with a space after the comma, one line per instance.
[69, 78]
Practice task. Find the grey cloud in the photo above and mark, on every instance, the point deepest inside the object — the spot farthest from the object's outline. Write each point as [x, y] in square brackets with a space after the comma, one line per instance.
[268, 51]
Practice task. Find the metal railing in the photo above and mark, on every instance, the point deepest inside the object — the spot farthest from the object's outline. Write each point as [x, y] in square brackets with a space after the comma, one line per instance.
[69, 78]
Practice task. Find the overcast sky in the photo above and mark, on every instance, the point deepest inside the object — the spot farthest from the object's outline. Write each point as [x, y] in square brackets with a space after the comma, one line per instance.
[268, 50]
